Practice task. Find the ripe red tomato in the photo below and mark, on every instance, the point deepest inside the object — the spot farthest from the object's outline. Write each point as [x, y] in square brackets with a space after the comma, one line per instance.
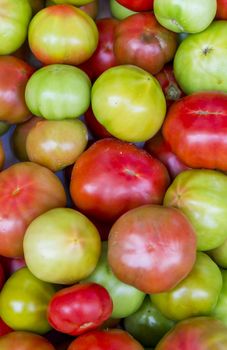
[137, 5]
[4, 329]
[221, 9]
[26, 191]
[14, 74]
[24, 341]
[140, 40]
[152, 248]
[94, 126]
[196, 129]
[79, 308]
[11, 265]
[114, 339]
[113, 176]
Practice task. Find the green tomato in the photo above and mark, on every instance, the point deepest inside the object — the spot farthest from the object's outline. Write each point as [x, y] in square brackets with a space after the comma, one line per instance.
[61, 246]
[73, 2]
[129, 103]
[126, 299]
[24, 300]
[58, 91]
[14, 19]
[220, 310]
[219, 255]
[147, 324]
[200, 61]
[201, 196]
[196, 295]
[118, 11]
[191, 16]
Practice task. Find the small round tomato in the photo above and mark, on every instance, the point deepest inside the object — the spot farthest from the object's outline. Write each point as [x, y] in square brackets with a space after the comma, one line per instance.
[152, 248]
[89, 303]
[113, 339]
[24, 341]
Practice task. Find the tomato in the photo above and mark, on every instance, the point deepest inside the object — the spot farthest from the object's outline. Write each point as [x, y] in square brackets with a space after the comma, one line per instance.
[137, 5]
[142, 41]
[15, 17]
[56, 144]
[200, 195]
[188, 16]
[198, 333]
[103, 57]
[10, 265]
[152, 248]
[24, 341]
[4, 329]
[36, 5]
[219, 254]
[112, 164]
[22, 185]
[89, 303]
[147, 324]
[160, 149]
[24, 300]
[2, 155]
[94, 126]
[196, 295]
[126, 114]
[221, 9]
[118, 11]
[73, 2]
[66, 239]
[113, 339]
[90, 8]
[120, 292]
[14, 74]
[19, 137]
[196, 129]
[58, 91]
[2, 275]
[62, 34]
[220, 309]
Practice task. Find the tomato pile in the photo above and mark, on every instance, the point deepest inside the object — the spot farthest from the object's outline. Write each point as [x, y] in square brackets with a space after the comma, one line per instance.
[113, 181]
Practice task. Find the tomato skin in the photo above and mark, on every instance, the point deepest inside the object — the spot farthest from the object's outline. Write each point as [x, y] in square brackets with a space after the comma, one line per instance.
[221, 9]
[152, 248]
[70, 45]
[112, 164]
[4, 329]
[14, 74]
[94, 126]
[24, 341]
[89, 303]
[2, 155]
[196, 129]
[197, 333]
[137, 41]
[137, 5]
[22, 185]
[113, 339]
[11, 265]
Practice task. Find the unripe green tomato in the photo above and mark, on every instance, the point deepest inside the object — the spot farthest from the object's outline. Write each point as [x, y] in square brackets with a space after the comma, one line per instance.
[220, 310]
[73, 2]
[58, 92]
[24, 300]
[219, 254]
[118, 11]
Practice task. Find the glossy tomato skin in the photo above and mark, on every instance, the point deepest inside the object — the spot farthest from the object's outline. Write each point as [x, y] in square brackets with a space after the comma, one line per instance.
[89, 303]
[221, 9]
[24, 341]
[152, 248]
[137, 41]
[91, 8]
[220, 309]
[114, 168]
[70, 45]
[22, 185]
[103, 57]
[119, 11]
[137, 5]
[196, 129]
[113, 339]
[14, 74]
[160, 149]
[198, 333]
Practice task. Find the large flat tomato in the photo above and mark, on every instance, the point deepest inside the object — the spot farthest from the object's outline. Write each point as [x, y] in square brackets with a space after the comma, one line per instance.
[24, 341]
[112, 177]
[196, 129]
[26, 190]
[152, 248]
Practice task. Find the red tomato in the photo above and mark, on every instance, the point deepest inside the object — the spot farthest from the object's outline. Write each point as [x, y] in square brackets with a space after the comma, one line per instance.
[14, 74]
[169, 84]
[94, 126]
[221, 9]
[113, 176]
[103, 57]
[152, 248]
[114, 339]
[137, 5]
[79, 308]
[11, 265]
[196, 129]
[160, 149]
[137, 42]
[4, 329]
[24, 341]
[26, 191]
